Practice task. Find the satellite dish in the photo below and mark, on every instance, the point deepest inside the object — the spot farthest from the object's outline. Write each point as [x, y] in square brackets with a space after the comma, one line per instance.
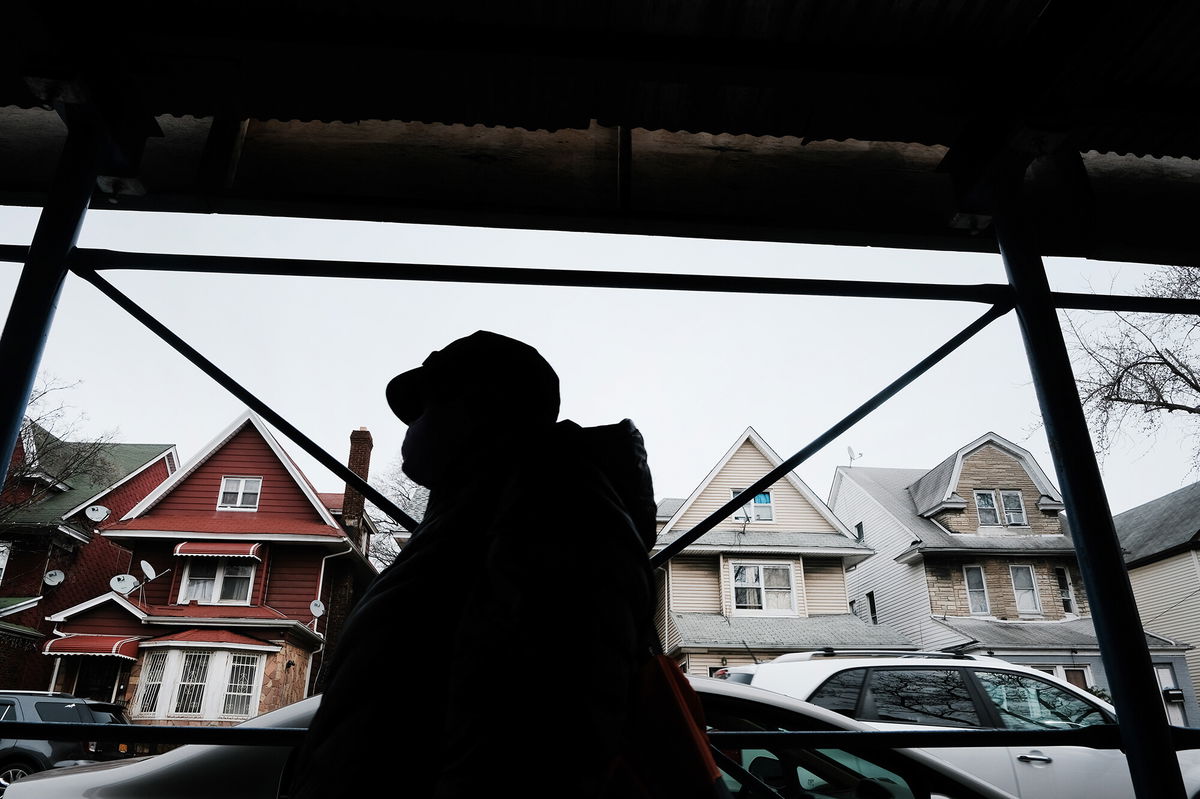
[96, 513]
[148, 570]
[123, 583]
[317, 607]
[53, 577]
[853, 455]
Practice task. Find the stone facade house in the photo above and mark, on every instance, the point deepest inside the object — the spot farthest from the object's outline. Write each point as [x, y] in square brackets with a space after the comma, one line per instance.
[50, 555]
[767, 580]
[238, 578]
[1161, 540]
[974, 556]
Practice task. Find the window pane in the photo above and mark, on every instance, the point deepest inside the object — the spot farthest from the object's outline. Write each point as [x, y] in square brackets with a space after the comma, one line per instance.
[235, 583]
[978, 601]
[779, 600]
[745, 575]
[1027, 703]
[152, 675]
[985, 501]
[191, 682]
[974, 578]
[749, 598]
[1022, 577]
[924, 696]
[242, 673]
[840, 692]
[777, 577]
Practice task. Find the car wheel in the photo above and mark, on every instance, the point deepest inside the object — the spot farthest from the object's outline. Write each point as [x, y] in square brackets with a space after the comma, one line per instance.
[11, 772]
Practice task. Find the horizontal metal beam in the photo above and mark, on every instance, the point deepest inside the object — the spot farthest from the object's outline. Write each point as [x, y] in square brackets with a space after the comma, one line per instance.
[450, 273]
[454, 273]
[848, 421]
[1101, 736]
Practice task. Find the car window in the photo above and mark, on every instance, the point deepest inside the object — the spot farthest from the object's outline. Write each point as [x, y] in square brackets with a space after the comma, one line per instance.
[840, 692]
[920, 696]
[8, 712]
[70, 712]
[1027, 703]
[793, 771]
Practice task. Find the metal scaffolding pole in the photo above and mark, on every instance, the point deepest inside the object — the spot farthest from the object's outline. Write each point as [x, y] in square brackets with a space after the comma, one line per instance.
[33, 305]
[1145, 733]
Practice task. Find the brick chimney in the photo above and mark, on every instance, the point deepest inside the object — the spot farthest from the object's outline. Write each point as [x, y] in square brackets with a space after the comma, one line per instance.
[359, 462]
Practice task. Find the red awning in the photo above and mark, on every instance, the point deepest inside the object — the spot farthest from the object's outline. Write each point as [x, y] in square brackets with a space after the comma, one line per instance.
[217, 549]
[117, 645]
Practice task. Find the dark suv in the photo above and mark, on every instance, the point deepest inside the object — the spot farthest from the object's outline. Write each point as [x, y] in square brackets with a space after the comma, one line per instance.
[19, 757]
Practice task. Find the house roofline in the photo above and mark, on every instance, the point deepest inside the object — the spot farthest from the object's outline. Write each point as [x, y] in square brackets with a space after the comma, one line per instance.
[170, 450]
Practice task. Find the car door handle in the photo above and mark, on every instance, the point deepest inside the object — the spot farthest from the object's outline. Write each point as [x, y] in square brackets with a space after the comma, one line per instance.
[1032, 758]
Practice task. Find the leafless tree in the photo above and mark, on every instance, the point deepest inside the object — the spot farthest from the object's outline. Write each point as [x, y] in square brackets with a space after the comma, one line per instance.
[410, 497]
[1136, 370]
[52, 451]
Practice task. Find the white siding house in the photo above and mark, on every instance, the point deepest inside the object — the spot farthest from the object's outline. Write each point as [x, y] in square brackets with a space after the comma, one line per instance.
[767, 579]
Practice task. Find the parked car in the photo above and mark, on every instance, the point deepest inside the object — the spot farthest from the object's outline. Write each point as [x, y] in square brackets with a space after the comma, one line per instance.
[933, 690]
[783, 771]
[19, 756]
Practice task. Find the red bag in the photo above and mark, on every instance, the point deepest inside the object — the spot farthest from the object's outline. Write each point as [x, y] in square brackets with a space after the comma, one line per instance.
[667, 754]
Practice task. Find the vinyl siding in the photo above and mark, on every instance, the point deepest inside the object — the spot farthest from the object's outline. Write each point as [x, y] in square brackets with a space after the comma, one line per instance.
[107, 618]
[292, 581]
[695, 585]
[825, 586]
[901, 594]
[792, 512]
[1167, 601]
[244, 455]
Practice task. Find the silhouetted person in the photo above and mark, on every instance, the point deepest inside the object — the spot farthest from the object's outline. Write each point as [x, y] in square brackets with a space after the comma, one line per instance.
[496, 656]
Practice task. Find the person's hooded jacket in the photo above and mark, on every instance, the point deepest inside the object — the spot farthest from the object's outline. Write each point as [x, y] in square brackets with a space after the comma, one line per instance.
[498, 652]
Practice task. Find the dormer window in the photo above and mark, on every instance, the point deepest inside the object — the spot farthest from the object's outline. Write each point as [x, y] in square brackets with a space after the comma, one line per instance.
[757, 510]
[1010, 511]
[239, 493]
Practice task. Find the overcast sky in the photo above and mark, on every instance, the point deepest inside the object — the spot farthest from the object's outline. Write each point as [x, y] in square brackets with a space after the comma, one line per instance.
[692, 370]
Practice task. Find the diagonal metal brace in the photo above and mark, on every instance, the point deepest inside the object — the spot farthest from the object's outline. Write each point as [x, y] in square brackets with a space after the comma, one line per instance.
[260, 407]
[773, 476]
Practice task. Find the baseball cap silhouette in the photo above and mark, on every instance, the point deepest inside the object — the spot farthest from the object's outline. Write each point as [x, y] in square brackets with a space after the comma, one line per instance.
[503, 376]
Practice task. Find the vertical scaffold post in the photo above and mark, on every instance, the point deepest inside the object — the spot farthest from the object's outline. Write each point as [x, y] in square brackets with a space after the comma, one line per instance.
[1145, 733]
[45, 269]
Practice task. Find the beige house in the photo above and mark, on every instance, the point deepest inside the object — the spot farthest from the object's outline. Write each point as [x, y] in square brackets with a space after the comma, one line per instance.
[1161, 540]
[974, 555]
[768, 579]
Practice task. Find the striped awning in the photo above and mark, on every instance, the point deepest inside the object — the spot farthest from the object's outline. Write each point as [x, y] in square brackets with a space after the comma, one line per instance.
[217, 549]
[114, 645]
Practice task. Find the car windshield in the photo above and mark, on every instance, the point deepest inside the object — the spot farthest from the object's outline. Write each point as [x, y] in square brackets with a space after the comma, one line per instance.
[794, 771]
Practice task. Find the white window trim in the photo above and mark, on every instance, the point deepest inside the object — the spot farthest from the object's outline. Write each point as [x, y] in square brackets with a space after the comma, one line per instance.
[241, 488]
[752, 517]
[732, 571]
[1074, 611]
[1037, 597]
[1059, 670]
[1024, 510]
[979, 516]
[217, 582]
[215, 685]
[987, 600]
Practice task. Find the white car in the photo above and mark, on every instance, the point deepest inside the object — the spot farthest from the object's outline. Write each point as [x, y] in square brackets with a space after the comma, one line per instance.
[906, 691]
[789, 770]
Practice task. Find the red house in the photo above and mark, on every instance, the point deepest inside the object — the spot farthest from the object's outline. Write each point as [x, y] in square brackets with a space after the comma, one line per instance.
[241, 577]
[55, 493]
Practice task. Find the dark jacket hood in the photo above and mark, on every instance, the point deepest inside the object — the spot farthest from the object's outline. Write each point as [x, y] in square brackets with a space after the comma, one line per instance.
[618, 452]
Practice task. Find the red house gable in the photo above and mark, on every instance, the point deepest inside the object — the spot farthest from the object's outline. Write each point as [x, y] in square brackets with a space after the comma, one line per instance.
[285, 503]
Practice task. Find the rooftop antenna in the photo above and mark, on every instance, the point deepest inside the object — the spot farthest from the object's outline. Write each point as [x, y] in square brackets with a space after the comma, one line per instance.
[853, 456]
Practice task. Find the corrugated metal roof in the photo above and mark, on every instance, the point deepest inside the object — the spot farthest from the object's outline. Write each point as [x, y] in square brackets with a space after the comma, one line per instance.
[859, 122]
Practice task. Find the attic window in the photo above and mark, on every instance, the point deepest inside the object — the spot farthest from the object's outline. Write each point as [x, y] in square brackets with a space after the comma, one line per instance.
[239, 493]
[758, 510]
